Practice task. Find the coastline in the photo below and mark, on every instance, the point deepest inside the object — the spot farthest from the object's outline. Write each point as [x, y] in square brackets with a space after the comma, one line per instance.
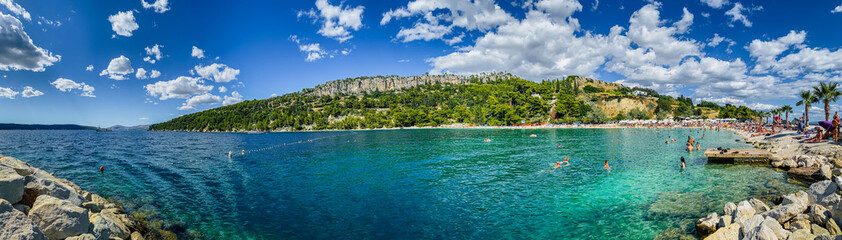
[812, 214]
[34, 204]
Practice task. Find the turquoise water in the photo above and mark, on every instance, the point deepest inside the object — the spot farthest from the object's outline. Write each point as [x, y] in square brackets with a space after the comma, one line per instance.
[403, 183]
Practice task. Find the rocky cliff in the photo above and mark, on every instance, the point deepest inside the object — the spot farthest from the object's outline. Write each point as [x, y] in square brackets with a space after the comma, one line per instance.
[359, 85]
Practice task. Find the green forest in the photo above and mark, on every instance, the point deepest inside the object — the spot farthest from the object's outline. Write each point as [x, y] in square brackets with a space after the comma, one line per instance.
[505, 102]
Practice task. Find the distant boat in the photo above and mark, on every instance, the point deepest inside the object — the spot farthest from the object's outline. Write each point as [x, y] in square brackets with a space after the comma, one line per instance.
[254, 126]
[99, 129]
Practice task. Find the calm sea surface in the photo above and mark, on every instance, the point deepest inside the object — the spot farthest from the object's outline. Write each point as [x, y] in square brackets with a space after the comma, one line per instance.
[405, 184]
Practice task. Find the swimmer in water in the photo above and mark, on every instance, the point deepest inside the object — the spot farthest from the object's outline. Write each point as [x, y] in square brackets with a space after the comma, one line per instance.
[682, 163]
[566, 162]
[557, 164]
[559, 145]
[244, 152]
[229, 154]
[698, 147]
[606, 167]
[667, 141]
[487, 140]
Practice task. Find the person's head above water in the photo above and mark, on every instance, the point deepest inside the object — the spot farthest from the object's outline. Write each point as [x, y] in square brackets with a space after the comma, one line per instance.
[682, 159]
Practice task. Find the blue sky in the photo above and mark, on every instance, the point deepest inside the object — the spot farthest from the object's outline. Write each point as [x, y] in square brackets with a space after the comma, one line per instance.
[755, 53]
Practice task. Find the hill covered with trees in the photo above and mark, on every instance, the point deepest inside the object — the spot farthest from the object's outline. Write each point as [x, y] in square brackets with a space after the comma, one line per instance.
[500, 100]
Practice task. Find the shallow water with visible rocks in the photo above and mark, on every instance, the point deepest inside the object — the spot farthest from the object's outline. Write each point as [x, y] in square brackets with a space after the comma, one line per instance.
[441, 183]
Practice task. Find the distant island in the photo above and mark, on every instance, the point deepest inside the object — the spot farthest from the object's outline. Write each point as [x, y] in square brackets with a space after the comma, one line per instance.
[128, 128]
[14, 126]
[495, 99]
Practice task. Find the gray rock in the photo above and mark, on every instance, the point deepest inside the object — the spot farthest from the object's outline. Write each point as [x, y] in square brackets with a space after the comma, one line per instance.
[792, 205]
[801, 234]
[836, 173]
[136, 236]
[826, 237]
[729, 208]
[776, 227]
[111, 220]
[823, 193]
[818, 230]
[761, 232]
[11, 185]
[53, 187]
[94, 207]
[759, 206]
[727, 233]
[743, 212]
[101, 230]
[16, 225]
[824, 172]
[777, 164]
[86, 236]
[751, 224]
[23, 208]
[59, 219]
[707, 225]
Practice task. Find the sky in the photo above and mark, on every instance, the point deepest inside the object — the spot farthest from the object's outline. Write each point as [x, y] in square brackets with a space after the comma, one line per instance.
[135, 62]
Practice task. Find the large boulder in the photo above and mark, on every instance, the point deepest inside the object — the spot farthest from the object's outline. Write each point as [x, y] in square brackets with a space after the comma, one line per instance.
[111, 220]
[761, 232]
[16, 225]
[824, 193]
[59, 219]
[707, 225]
[759, 206]
[803, 173]
[11, 185]
[729, 208]
[727, 233]
[21, 167]
[801, 221]
[48, 185]
[824, 173]
[776, 227]
[801, 234]
[832, 227]
[752, 223]
[791, 205]
[788, 164]
[724, 221]
[743, 212]
[818, 230]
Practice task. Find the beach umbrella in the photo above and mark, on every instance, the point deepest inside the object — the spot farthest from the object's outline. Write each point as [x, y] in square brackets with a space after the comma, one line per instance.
[825, 124]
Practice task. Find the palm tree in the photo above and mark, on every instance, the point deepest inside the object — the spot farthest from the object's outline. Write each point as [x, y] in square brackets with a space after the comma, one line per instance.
[827, 92]
[807, 99]
[786, 109]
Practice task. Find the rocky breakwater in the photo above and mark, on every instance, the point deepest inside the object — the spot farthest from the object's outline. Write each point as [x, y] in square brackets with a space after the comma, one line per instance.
[814, 214]
[35, 204]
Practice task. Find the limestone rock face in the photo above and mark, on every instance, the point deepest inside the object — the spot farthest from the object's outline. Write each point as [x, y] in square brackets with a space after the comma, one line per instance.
[819, 214]
[11, 185]
[801, 221]
[792, 205]
[59, 219]
[776, 227]
[818, 230]
[388, 83]
[16, 225]
[724, 221]
[752, 223]
[707, 225]
[824, 172]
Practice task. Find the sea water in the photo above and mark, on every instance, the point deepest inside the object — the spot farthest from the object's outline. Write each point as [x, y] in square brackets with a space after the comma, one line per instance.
[405, 184]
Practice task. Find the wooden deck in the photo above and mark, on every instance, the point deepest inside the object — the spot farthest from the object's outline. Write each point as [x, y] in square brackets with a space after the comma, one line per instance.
[738, 156]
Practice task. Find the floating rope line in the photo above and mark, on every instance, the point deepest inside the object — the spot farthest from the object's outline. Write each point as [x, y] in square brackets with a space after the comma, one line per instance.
[243, 152]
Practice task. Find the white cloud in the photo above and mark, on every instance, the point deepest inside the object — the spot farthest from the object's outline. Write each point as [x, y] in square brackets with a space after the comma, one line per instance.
[153, 54]
[16, 9]
[683, 25]
[837, 9]
[767, 51]
[67, 85]
[217, 72]
[141, 74]
[143, 118]
[346, 51]
[233, 99]
[440, 18]
[48, 22]
[736, 14]
[716, 40]
[160, 6]
[198, 53]
[181, 87]
[223, 89]
[118, 68]
[203, 99]
[17, 51]
[90, 68]
[337, 21]
[123, 23]
[715, 3]
[8, 93]
[313, 50]
[29, 92]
